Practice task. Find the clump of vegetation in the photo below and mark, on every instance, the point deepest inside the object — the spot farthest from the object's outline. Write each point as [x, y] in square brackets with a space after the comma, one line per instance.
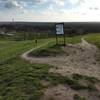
[80, 77]
[89, 81]
[50, 50]
[75, 84]
[56, 78]
[77, 97]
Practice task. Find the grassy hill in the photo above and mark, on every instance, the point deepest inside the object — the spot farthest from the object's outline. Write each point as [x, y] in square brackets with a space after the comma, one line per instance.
[21, 80]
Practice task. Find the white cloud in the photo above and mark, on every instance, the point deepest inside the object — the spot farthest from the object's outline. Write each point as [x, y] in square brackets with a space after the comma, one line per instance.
[51, 10]
[41, 1]
[12, 4]
[59, 2]
[74, 1]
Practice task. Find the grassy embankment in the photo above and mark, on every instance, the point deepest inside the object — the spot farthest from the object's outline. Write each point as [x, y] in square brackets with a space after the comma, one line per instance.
[53, 49]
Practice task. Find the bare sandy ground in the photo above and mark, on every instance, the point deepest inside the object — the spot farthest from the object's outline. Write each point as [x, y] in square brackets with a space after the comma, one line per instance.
[78, 58]
[64, 92]
[59, 92]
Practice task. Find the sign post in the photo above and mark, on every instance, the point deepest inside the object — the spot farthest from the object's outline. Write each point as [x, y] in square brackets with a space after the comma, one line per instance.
[60, 31]
[36, 41]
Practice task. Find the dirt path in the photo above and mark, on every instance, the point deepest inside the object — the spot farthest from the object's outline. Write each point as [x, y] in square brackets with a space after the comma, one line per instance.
[78, 58]
[29, 58]
[59, 92]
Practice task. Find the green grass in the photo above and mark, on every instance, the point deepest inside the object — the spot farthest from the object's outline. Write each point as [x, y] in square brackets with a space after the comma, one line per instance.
[90, 81]
[54, 49]
[93, 38]
[20, 80]
[10, 49]
[49, 50]
[74, 40]
[80, 77]
[77, 97]
[56, 79]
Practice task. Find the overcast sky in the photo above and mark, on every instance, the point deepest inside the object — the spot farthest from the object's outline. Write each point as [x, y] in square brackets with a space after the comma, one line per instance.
[50, 10]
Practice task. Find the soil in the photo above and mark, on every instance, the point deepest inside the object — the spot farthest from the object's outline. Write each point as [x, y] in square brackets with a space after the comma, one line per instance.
[59, 92]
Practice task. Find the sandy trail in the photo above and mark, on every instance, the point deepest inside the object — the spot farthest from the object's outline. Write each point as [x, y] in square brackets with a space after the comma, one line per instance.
[29, 58]
[59, 92]
[64, 92]
[78, 58]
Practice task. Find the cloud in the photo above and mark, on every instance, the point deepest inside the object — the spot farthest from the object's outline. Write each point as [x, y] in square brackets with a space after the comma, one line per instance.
[40, 1]
[10, 4]
[58, 2]
[94, 8]
[41, 4]
[52, 10]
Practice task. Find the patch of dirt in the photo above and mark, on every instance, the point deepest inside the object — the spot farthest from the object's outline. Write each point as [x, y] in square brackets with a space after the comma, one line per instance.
[45, 83]
[59, 92]
[64, 92]
[89, 95]
[78, 58]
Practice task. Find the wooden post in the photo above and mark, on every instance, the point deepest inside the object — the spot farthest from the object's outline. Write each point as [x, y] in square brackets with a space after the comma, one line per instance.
[64, 36]
[56, 39]
[36, 39]
[56, 35]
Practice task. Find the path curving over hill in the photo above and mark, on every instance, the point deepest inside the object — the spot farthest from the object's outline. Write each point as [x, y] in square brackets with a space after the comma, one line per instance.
[80, 59]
